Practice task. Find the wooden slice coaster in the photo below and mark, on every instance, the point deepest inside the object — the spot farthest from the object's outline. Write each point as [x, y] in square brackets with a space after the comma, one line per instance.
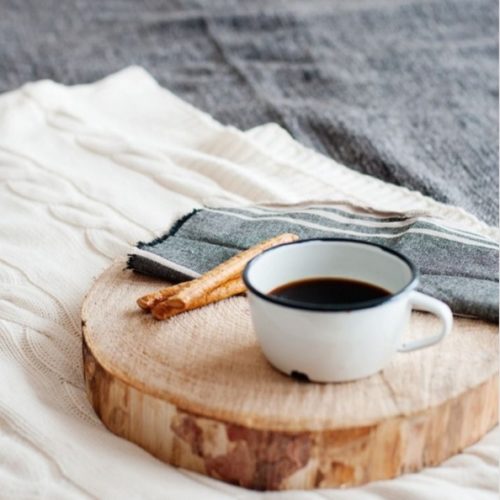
[196, 392]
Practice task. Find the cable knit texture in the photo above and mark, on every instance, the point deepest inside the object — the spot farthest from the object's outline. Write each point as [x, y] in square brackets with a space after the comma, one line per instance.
[87, 171]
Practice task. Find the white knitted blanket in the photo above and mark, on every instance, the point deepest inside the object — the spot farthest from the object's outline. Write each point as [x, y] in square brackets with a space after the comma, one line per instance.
[87, 171]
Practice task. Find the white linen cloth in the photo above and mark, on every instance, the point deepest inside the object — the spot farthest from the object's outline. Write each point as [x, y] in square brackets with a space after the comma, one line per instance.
[87, 171]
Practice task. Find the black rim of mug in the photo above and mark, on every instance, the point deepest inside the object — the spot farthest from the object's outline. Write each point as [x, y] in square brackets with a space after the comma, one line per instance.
[333, 307]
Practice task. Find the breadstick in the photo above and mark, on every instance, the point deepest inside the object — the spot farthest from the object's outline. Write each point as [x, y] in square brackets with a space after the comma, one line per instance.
[196, 290]
[147, 302]
[167, 308]
[219, 283]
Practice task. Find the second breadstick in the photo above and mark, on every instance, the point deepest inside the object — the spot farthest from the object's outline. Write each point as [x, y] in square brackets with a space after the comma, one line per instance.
[147, 302]
[168, 308]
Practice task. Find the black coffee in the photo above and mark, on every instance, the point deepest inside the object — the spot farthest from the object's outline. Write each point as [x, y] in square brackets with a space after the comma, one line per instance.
[329, 291]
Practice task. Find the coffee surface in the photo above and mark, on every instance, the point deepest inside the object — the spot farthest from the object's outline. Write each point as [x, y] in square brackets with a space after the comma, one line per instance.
[329, 291]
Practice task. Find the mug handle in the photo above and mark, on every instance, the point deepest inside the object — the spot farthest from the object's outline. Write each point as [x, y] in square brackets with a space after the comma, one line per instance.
[423, 302]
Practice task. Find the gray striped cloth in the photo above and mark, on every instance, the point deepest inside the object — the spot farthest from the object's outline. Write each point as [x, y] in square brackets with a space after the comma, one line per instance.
[456, 266]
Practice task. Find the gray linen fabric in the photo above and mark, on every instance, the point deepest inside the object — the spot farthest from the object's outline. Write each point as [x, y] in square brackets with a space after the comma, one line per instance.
[458, 267]
[405, 90]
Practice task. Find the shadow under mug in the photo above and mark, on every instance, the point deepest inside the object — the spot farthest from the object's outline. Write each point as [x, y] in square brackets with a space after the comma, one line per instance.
[337, 342]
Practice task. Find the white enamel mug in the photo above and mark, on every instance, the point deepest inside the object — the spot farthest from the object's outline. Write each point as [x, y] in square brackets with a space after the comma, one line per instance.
[336, 343]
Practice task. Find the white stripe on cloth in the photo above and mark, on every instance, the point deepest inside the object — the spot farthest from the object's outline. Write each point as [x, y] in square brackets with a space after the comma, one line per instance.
[162, 261]
[312, 225]
[382, 222]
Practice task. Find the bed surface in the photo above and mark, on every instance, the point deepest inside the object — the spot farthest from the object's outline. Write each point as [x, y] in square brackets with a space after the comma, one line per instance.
[87, 171]
[405, 90]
